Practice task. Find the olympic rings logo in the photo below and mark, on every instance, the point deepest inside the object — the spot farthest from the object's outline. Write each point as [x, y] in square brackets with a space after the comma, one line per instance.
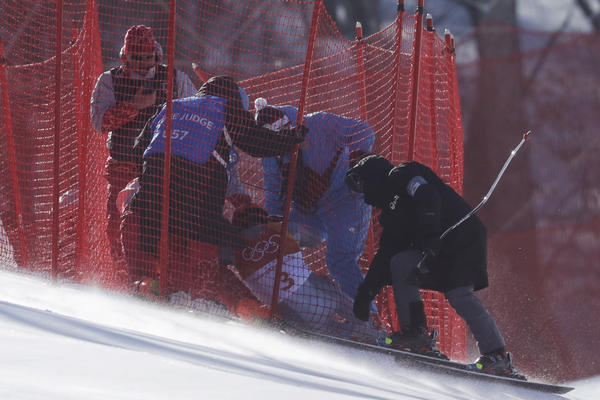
[262, 248]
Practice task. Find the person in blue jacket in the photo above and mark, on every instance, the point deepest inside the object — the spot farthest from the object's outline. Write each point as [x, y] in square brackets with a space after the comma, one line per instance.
[205, 129]
[323, 208]
[306, 299]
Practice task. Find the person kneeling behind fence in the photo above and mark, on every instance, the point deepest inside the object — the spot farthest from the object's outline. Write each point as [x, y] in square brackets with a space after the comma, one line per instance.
[205, 129]
[305, 299]
[195, 277]
[322, 205]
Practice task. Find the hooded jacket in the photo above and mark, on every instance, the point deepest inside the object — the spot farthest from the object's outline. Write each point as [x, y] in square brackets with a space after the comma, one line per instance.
[329, 141]
[416, 208]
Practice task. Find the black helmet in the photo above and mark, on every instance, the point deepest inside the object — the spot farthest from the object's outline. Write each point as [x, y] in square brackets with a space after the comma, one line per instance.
[355, 182]
[249, 215]
[368, 176]
[225, 87]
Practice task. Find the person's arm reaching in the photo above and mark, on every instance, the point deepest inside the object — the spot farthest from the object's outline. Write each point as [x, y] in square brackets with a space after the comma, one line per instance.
[258, 141]
[106, 114]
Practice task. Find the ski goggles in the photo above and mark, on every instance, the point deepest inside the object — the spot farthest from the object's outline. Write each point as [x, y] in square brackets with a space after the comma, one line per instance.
[143, 57]
[355, 182]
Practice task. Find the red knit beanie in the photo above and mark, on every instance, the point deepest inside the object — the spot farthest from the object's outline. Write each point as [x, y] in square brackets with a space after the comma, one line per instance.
[139, 39]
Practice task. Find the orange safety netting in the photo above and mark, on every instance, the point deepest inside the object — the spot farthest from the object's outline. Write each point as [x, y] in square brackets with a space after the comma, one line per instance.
[543, 219]
[394, 93]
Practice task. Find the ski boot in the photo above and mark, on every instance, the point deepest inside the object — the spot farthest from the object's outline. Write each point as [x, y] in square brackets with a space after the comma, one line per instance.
[419, 341]
[148, 288]
[416, 338]
[251, 310]
[496, 363]
[211, 307]
[180, 299]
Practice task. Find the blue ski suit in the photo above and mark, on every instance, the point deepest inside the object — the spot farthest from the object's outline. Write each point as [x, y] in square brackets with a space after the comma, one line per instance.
[199, 173]
[339, 216]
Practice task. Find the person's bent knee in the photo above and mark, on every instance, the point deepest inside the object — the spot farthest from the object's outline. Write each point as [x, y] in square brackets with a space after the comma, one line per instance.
[402, 264]
[461, 296]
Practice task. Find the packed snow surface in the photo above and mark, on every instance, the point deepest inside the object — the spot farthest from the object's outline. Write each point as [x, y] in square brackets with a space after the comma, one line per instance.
[66, 341]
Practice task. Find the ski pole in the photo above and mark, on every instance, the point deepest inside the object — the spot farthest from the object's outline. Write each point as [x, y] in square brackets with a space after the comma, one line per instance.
[421, 266]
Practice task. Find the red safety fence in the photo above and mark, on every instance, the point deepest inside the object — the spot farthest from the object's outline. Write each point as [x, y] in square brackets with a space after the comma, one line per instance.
[90, 112]
[543, 219]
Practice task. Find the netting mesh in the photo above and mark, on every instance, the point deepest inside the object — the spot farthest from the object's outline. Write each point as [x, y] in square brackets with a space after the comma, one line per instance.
[544, 231]
[354, 96]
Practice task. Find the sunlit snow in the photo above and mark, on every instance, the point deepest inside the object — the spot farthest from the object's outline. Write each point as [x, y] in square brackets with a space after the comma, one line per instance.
[66, 341]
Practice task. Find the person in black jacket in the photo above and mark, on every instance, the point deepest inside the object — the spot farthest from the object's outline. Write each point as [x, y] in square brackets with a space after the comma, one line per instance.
[416, 207]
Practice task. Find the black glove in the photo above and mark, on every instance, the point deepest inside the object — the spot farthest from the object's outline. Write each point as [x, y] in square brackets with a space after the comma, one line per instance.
[362, 302]
[298, 133]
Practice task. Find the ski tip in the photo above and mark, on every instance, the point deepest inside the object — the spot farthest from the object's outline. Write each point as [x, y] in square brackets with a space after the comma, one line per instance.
[527, 135]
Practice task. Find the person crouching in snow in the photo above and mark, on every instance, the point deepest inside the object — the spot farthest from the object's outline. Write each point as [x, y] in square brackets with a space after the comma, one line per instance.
[196, 280]
[306, 299]
[205, 129]
[416, 207]
[323, 209]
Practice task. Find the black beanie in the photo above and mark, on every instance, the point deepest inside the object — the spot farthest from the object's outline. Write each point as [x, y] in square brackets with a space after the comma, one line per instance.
[374, 170]
[249, 215]
[224, 87]
[268, 115]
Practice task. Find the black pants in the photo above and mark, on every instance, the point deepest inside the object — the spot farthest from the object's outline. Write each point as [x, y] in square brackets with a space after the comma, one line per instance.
[462, 299]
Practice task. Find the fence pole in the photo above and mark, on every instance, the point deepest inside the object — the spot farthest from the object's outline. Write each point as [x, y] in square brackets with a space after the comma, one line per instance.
[294, 158]
[387, 297]
[57, 129]
[430, 40]
[361, 77]
[456, 131]
[396, 77]
[92, 59]
[81, 144]
[94, 48]
[415, 78]
[12, 162]
[164, 223]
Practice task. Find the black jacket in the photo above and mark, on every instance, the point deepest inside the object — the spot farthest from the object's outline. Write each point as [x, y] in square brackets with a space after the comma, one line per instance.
[417, 207]
[121, 140]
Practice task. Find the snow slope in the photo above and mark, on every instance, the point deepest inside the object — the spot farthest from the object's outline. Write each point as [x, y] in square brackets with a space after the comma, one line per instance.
[66, 341]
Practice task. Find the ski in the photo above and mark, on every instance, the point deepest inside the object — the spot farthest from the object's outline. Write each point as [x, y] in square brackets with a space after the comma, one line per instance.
[429, 363]
[401, 357]
[461, 370]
